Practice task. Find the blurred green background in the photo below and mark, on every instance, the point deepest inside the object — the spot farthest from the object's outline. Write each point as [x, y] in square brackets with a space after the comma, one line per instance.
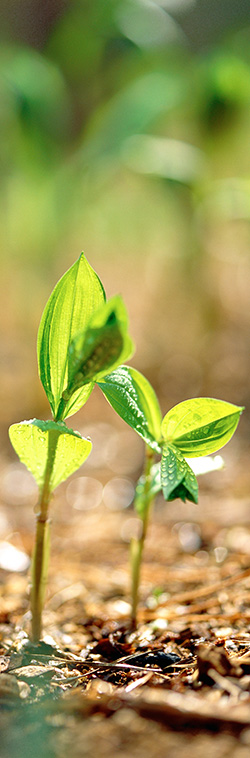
[125, 132]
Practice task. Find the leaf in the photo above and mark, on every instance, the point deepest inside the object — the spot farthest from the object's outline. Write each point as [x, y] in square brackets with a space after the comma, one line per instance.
[200, 426]
[102, 347]
[68, 311]
[133, 398]
[177, 478]
[199, 466]
[33, 440]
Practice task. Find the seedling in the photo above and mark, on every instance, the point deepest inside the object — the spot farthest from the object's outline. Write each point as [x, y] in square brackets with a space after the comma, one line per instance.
[80, 338]
[193, 428]
[83, 340]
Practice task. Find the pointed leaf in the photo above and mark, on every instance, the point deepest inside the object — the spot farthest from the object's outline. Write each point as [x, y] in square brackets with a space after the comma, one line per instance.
[177, 478]
[133, 398]
[32, 440]
[68, 311]
[200, 426]
[199, 466]
[102, 347]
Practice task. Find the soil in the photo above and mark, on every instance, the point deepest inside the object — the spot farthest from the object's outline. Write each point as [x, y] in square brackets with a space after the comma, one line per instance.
[179, 684]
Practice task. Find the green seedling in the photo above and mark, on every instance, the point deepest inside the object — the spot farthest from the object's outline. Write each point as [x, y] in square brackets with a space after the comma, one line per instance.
[193, 428]
[81, 338]
[82, 341]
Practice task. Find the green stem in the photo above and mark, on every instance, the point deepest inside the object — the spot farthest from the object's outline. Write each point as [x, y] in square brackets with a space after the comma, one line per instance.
[41, 550]
[137, 545]
[61, 407]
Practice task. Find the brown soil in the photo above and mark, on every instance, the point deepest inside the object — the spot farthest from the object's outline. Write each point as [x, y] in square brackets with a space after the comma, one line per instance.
[180, 684]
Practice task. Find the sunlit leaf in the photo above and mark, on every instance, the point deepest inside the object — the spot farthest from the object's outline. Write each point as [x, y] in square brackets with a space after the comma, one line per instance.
[68, 311]
[200, 426]
[177, 478]
[133, 398]
[42, 443]
[102, 347]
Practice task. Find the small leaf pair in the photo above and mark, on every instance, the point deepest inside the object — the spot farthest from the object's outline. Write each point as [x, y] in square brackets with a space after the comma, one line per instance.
[82, 340]
[193, 428]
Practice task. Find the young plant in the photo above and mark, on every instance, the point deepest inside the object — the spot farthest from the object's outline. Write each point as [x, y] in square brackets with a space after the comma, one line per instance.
[81, 337]
[193, 428]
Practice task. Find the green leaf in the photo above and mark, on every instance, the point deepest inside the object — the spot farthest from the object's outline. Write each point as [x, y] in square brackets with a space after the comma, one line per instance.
[133, 398]
[177, 478]
[33, 440]
[102, 347]
[77, 295]
[199, 466]
[200, 426]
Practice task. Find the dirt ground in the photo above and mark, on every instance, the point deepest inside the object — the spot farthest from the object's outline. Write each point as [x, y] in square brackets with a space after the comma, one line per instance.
[180, 684]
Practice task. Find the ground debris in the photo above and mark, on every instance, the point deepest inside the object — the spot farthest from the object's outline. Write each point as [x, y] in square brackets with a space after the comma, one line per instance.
[210, 659]
[9, 689]
[95, 687]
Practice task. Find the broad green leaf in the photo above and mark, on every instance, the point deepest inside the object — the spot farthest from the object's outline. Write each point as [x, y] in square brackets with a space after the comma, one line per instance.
[37, 441]
[133, 398]
[102, 347]
[77, 295]
[177, 478]
[200, 426]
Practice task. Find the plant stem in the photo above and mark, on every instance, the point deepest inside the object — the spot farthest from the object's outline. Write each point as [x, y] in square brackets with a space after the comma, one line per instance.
[41, 549]
[60, 410]
[143, 501]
